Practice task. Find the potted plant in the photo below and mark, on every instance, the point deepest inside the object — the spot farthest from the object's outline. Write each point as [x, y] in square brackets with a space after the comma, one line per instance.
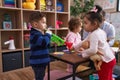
[80, 6]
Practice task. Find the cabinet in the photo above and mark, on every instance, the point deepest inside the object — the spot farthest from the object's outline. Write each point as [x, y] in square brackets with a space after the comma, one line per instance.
[17, 20]
[12, 60]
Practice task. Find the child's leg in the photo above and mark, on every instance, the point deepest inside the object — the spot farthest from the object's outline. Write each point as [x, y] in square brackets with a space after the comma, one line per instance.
[106, 70]
[39, 72]
[69, 68]
[98, 65]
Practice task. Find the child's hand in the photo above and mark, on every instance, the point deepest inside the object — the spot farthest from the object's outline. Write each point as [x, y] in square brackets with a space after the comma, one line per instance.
[99, 52]
[81, 49]
[49, 32]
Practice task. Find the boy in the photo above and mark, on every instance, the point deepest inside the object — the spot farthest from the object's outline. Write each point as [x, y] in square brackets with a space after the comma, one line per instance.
[39, 43]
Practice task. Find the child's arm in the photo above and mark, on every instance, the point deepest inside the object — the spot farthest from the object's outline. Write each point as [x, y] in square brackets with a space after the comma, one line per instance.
[93, 48]
[99, 52]
[42, 40]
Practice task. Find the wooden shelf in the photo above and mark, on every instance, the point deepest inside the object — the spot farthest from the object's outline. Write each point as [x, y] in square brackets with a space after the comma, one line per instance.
[8, 8]
[62, 13]
[29, 10]
[6, 50]
[26, 48]
[3, 30]
[19, 16]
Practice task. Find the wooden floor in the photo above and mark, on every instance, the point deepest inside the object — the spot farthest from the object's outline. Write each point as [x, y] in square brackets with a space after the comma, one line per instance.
[20, 74]
[27, 73]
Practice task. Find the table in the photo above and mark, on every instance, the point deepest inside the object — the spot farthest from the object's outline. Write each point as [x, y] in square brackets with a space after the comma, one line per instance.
[74, 59]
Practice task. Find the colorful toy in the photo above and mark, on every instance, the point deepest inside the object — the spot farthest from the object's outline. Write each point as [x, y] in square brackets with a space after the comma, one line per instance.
[9, 3]
[56, 39]
[60, 7]
[29, 26]
[26, 40]
[7, 23]
[48, 5]
[69, 45]
[29, 4]
[58, 23]
[11, 43]
[42, 5]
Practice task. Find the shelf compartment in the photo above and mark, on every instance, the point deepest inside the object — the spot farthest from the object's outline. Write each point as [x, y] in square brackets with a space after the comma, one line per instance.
[64, 19]
[26, 37]
[26, 58]
[60, 34]
[17, 39]
[14, 16]
[36, 5]
[12, 60]
[65, 5]
[46, 7]
[50, 17]
[15, 4]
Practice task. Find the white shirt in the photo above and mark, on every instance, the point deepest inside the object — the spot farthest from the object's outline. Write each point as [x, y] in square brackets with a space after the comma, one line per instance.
[98, 40]
[109, 29]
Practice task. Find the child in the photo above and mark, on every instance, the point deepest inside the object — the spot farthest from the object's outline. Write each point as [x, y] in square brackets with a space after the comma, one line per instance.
[96, 58]
[98, 40]
[73, 36]
[39, 43]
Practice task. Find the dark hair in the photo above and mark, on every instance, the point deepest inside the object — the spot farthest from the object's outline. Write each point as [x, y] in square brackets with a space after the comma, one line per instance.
[99, 8]
[36, 16]
[94, 16]
[74, 23]
[103, 13]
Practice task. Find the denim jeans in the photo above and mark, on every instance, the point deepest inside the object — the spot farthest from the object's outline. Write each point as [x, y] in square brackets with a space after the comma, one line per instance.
[39, 72]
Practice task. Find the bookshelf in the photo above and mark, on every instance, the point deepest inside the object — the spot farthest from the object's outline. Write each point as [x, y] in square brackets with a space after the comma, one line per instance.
[19, 20]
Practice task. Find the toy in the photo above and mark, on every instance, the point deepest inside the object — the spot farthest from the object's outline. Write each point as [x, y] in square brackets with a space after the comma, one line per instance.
[42, 5]
[7, 23]
[60, 7]
[96, 58]
[25, 25]
[58, 23]
[11, 43]
[48, 5]
[69, 45]
[29, 26]
[26, 40]
[56, 39]
[9, 3]
[29, 4]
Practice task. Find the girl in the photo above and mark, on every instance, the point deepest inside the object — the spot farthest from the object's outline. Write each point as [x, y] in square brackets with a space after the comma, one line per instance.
[98, 40]
[73, 36]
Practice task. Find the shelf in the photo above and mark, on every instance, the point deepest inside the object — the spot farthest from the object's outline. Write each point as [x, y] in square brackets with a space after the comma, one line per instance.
[48, 11]
[29, 10]
[6, 50]
[26, 30]
[3, 30]
[62, 13]
[10, 8]
[63, 28]
[26, 48]
[14, 22]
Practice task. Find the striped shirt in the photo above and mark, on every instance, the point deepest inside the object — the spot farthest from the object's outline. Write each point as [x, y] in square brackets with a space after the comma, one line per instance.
[39, 44]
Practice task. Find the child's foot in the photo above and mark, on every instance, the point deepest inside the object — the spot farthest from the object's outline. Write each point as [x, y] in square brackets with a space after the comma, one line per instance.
[69, 70]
